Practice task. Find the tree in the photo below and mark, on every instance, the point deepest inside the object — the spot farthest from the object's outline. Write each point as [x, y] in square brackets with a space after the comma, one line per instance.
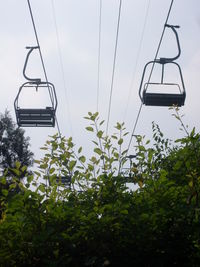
[14, 146]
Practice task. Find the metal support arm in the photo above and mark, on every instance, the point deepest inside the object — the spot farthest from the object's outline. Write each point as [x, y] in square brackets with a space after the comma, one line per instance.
[35, 80]
[168, 60]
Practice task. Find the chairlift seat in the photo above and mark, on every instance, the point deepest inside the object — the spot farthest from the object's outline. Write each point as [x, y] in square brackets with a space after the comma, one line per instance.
[35, 117]
[163, 99]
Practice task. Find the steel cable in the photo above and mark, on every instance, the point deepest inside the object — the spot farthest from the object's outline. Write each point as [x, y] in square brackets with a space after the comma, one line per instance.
[114, 63]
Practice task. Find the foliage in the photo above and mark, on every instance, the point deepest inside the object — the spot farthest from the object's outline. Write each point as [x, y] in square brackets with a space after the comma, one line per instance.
[98, 221]
[14, 146]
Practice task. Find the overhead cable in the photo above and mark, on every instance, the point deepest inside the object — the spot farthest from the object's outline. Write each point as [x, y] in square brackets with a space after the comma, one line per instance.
[113, 69]
[161, 38]
[157, 51]
[99, 53]
[137, 59]
[61, 64]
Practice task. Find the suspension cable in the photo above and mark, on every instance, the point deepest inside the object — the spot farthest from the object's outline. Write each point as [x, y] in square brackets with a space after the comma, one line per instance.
[161, 38]
[114, 63]
[157, 51]
[137, 59]
[61, 63]
[41, 57]
[99, 53]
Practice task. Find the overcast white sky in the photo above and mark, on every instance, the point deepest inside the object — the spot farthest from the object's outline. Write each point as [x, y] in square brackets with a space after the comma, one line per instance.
[77, 22]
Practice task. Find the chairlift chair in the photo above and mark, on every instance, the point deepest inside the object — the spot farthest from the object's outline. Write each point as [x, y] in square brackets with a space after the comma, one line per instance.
[126, 175]
[163, 99]
[64, 180]
[36, 117]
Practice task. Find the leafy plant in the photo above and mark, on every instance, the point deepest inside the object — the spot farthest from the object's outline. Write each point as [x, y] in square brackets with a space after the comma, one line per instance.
[97, 220]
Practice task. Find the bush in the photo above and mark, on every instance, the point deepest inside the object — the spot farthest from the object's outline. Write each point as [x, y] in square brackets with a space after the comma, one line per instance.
[97, 221]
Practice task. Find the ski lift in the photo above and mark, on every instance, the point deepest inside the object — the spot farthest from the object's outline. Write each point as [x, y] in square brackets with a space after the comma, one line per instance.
[36, 117]
[163, 98]
[127, 175]
[64, 180]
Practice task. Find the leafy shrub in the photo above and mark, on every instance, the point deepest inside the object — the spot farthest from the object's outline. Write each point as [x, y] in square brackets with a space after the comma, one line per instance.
[97, 221]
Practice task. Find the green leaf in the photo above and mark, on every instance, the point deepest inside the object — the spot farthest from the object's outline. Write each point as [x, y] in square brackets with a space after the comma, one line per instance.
[17, 164]
[43, 166]
[72, 164]
[118, 126]
[141, 148]
[43, 148]
[120, 141]
[95, 143]
[82, 159]
[124, 152]
[190, 184]
[192, 132]
[80, 149]
[125, 133]
[12, 186]
[101, 122]
[98, 151]
[52, 170]
[94, 116]
[124, 212]
[80, 167]
[87, 118]
[30, 178]
[37, 173]
[90, 129]
[16, 172]
[93, 159]
[100, 134]
[24, 168]
[90, 167]
[116, 155]
[4, 192]
[140, 183]
[3, 180]
[62, 145]
[53, 161]
[42, 188]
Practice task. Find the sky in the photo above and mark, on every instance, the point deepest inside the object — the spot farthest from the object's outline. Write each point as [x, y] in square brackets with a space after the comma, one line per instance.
[68, 32]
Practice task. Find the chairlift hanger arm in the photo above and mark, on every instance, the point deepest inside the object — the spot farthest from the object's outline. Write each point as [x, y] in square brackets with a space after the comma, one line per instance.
[31, 48]
[141, 83]
[168, 60]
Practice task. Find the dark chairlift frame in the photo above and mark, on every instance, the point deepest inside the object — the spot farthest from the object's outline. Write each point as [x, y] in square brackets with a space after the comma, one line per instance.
[163, 99]
[36, 117]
